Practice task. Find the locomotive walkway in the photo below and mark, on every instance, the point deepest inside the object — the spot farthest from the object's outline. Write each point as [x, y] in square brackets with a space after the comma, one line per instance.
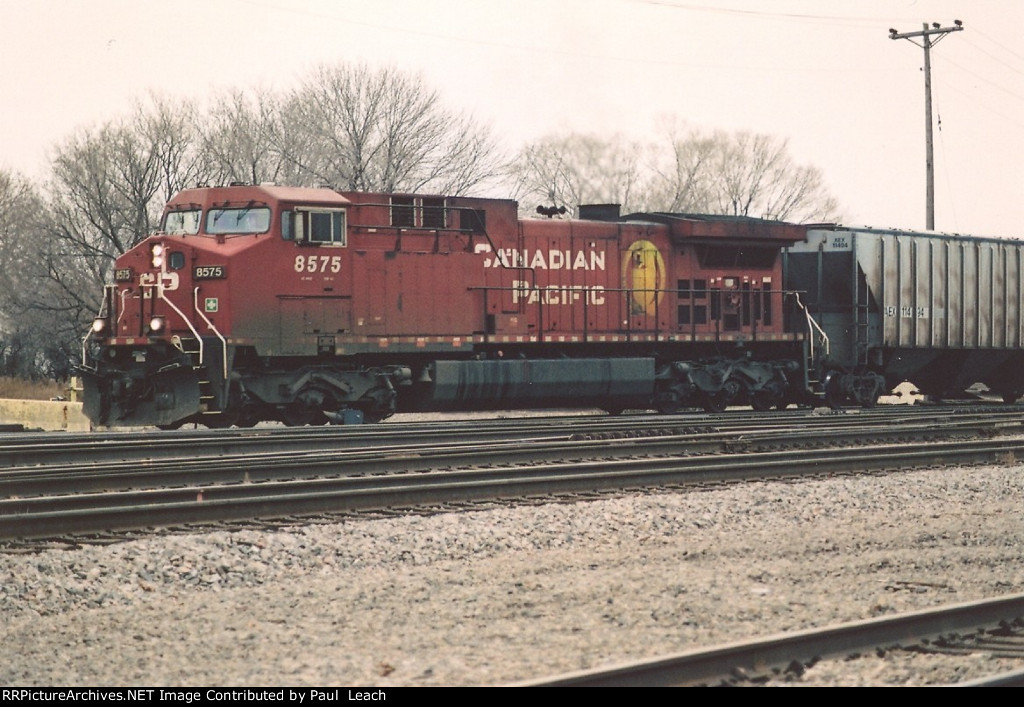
[173, 480]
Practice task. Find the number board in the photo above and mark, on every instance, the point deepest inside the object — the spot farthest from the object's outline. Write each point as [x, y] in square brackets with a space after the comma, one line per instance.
[210, 272]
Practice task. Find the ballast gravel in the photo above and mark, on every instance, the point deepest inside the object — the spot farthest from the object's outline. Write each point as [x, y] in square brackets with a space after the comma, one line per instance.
[491, 597]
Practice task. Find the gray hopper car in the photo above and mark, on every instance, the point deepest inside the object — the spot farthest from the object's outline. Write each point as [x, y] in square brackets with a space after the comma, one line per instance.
[941, 311]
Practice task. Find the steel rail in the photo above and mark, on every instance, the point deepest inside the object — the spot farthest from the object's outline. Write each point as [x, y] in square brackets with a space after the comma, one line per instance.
[90, 452]
[34, 448]
[720, 665]
[48, 516]
[83, 477]
[1012, 678]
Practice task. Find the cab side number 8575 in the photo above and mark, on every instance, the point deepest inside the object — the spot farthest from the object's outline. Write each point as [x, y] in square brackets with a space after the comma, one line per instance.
[318, 263]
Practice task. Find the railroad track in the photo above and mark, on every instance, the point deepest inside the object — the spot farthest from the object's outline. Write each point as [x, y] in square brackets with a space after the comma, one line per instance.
[47, 449]
[316, 460]
[243, 487]
[994, 627]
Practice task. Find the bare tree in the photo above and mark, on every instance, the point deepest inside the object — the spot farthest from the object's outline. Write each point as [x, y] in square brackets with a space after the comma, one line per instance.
[682, 175]
[107, 188]
[170, 130]
[20, 206]
[576, 169]
[244, 140]
[740, 174]
[381, 130]
[109, 184]
[32, 340]
[755, 176]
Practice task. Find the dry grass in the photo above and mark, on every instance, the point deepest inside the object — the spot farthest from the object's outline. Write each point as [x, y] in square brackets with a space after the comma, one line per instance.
[20, 389]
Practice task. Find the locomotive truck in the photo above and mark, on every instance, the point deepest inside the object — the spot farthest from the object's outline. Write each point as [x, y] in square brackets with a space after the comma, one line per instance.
[309, 306]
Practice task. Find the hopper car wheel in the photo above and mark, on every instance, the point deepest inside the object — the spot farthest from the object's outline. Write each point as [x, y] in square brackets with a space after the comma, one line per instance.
[867, 388]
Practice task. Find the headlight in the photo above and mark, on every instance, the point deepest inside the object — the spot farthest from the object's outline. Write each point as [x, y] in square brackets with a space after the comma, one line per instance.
[157, 255]
[100, 326]
[157, 325]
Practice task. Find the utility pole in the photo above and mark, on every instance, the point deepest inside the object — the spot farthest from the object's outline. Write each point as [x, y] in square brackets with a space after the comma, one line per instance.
[929, 163]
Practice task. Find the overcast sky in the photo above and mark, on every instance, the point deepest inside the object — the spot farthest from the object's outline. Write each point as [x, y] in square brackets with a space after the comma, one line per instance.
[823, 75]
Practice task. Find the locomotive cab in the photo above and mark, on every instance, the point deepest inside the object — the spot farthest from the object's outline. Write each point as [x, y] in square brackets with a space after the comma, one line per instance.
[163, 348]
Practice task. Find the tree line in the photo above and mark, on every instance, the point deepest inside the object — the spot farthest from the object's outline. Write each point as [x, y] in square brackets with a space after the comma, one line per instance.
[351, 127]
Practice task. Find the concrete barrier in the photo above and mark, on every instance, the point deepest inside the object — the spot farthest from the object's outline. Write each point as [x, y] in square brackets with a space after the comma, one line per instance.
[44, 414]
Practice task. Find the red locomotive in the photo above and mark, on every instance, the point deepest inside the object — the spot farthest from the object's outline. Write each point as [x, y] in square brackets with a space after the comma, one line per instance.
[309, 305]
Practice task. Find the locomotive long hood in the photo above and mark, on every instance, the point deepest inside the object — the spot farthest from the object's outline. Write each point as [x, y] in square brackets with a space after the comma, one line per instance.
[691, 228]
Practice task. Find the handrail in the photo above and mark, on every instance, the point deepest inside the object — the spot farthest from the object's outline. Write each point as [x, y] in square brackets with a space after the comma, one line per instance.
[85, 348]
[195, 332]
[223, 341]
[812, 325]
[121, 310]
[104, 307]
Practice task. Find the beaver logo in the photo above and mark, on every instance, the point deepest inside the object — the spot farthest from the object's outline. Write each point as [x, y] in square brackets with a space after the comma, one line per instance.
[643, 275]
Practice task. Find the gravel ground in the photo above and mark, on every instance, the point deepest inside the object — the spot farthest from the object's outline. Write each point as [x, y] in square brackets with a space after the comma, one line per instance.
[497, 596]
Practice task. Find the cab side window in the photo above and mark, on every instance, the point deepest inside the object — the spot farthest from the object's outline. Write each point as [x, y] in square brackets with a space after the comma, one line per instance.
[323, 226]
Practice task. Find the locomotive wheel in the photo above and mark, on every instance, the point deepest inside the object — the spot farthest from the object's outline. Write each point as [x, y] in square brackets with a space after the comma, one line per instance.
[247, 420]
[373, 414]
[173, 425]
[714, 402]
[732, 391]
[670, 401]
[308, 407]
[220, 422]
[377, 405]
[231, 418]
[834, 396]
[298, 415]
[668, 406]
[772, 395]
[764, 400]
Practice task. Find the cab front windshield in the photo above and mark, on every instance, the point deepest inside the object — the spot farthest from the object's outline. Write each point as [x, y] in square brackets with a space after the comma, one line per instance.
[241, 220]
[181, 222]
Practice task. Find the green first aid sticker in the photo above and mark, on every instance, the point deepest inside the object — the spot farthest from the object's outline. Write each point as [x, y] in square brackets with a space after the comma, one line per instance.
[211, 304]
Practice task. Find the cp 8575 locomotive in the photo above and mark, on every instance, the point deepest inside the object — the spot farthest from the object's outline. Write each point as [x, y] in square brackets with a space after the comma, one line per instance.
[311, 305]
